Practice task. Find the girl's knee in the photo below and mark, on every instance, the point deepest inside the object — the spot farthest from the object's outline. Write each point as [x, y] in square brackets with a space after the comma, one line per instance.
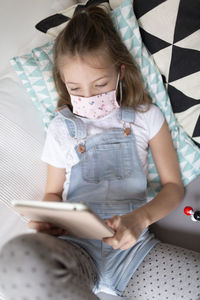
[44, 257]
[42, 250]
[19, 244]
[21, 251]
[15, 256]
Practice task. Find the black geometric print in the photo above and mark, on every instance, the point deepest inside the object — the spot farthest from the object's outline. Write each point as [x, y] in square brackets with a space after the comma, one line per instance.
[141, 7]
[179, 101]
[50, 22]
[58, 19]
[188, 19]
[89, 3]
[155, 44]
[197, 128]
[183, 63]
[184, 60]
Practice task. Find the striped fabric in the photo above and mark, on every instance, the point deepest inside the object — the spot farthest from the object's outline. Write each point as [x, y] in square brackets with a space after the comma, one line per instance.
[23, 174]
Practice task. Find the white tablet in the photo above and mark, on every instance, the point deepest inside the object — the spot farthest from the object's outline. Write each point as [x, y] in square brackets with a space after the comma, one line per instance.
[77, 218]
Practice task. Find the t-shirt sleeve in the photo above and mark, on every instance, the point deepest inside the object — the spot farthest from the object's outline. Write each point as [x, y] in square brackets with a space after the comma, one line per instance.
[154, 119]
[52, 152]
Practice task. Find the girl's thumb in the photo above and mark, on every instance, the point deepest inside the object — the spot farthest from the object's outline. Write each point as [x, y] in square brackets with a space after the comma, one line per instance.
[113, 222]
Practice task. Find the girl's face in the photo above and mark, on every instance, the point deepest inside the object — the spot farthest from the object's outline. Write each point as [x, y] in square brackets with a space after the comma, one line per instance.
[89, 75]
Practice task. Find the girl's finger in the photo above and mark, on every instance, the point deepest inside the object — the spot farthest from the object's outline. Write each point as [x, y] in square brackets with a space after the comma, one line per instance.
[112, 241]
[54, 231]
[38, 225]
[127, 245]
[113, 222]
[118, 239]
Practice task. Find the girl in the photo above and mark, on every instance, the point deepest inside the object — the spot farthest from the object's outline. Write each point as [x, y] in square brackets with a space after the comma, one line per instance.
[96, 150]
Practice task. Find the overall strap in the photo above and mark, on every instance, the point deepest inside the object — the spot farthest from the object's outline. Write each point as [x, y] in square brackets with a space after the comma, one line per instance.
[127, 114]
[75, 126]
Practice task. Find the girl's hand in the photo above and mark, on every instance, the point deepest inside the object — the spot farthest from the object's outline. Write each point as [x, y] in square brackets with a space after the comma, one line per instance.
[47, 228]
[127, 229]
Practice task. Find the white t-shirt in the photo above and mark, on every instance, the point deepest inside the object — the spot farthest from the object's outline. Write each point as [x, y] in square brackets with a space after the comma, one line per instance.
[59, 145]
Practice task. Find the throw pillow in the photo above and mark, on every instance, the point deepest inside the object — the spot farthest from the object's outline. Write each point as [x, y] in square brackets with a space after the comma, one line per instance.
[35, 71]
[171, 32]
[52, 25]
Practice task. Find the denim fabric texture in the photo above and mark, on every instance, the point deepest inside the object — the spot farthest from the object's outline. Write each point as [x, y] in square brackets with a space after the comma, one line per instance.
[110, 180]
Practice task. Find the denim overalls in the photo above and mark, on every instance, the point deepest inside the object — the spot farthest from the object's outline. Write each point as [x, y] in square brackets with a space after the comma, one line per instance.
[110, 180]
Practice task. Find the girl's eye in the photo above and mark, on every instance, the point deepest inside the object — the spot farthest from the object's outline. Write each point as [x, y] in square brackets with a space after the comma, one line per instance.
[74, 89]
[101, 85]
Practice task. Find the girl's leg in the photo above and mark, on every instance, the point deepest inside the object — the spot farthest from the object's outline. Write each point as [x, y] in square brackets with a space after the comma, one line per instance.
[43, 267]
[167, 272]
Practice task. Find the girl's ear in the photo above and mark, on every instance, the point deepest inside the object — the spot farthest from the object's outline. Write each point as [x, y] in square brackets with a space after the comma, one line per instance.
[122, 72]
[62, 78]
[61, 75]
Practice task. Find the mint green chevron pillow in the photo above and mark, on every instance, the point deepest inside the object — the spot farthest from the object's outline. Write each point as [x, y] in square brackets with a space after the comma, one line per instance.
[188, 153]
[35, 70]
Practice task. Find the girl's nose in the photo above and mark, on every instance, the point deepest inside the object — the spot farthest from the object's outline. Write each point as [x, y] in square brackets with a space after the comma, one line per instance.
[88, 93]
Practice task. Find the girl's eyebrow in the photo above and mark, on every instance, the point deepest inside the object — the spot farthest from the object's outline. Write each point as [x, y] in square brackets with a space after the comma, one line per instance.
[106, 76]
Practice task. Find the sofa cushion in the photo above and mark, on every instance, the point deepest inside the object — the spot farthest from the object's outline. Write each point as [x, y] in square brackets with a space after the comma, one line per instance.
[171, 32]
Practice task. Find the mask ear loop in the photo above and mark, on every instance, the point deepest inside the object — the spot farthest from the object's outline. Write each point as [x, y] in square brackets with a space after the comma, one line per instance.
[127, 130]
[120, 88]
[120, 92]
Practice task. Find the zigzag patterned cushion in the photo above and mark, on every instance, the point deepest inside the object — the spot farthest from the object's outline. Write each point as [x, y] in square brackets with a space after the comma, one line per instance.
[188, 153]
[126, 24]
[171, 32]
[35, 71]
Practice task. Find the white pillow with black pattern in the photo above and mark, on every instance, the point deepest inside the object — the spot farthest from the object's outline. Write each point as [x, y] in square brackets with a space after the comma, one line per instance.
[171, 32]
[53, 24]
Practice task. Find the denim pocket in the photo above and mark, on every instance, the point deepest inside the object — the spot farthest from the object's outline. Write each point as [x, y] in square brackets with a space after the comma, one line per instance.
[107, 162]
[109, 209]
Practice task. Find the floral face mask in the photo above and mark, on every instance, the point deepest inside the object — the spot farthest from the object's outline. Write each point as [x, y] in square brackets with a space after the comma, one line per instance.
[95, 107]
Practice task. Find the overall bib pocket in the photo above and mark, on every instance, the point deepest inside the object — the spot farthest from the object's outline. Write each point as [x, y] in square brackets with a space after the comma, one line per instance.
[107, 162]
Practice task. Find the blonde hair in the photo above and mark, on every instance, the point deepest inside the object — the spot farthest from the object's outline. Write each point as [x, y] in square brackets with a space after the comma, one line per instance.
[87, 32]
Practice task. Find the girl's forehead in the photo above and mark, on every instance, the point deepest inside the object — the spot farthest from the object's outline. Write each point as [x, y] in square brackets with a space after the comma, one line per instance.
[93, 61]
[98, 59]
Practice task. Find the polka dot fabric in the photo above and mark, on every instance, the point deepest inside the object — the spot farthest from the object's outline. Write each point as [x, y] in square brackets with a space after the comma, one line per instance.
[167, 273]
[43, 267]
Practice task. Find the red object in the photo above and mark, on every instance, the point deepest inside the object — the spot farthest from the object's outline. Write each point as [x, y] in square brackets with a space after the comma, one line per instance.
[188, 210]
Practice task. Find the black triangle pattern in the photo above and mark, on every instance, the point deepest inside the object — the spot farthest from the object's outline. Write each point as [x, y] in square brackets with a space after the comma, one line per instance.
[58, 19]
[197, 128]
[89, 3]
[186, 13]
[141, 7]
[183, 63]
[196, 143]
[179, 101]
[164, 78]
[50, 22]
[154, 43]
